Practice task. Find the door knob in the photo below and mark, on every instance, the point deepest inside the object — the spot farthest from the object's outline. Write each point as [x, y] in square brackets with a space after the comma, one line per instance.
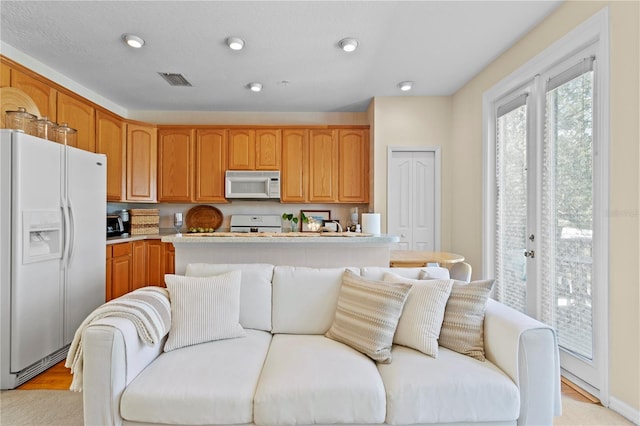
[531, 254]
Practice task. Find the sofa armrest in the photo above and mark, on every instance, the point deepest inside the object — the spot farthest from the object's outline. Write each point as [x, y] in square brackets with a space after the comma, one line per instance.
[113, 356]
[527, 351]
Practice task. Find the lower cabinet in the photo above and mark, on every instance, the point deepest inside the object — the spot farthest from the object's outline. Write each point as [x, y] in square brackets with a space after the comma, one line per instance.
[119, 267]
[137, 264]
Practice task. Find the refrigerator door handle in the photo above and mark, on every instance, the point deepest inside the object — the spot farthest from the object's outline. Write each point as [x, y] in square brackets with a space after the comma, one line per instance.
[67, 234]
[72, 236]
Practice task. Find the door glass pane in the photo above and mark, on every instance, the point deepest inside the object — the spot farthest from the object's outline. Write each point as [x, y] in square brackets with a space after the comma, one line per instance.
[567, 219]
[511, 209]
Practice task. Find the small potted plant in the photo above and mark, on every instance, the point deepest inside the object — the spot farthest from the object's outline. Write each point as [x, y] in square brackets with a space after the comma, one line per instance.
[290, 222]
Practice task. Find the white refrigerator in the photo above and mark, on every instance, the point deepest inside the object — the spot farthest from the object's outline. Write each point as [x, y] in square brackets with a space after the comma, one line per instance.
[52, 250]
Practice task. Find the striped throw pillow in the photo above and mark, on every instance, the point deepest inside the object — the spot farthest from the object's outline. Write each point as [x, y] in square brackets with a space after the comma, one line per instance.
[463, 325]
[203, 309]
[419, 325]
[367, 315]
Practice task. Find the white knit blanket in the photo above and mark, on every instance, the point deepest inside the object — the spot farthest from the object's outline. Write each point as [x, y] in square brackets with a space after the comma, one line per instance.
[148, 308]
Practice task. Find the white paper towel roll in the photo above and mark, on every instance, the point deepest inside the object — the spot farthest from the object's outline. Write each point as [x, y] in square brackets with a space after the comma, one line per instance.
[371, 223]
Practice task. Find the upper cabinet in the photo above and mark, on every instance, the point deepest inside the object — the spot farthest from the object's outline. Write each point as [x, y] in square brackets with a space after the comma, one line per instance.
[353, 165]
[268, 149]
[141, 162]
[5, 75]
[294, 178]
[255, 149]
[323, 166]
[111, 140]
[42, 93]
[242, 149]
[210, 165]
[175, 164]
[79, 115]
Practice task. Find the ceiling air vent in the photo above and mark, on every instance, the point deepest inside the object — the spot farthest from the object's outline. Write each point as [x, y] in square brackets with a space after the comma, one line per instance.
[174, 79]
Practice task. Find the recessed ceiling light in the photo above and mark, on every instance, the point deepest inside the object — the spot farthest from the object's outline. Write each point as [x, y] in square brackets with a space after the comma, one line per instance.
[405, 85]
[235, 43]
[348, 44]
[133, 40]
[255, 87]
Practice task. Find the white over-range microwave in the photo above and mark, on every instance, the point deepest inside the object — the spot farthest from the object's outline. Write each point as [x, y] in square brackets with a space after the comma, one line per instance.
[249, 184]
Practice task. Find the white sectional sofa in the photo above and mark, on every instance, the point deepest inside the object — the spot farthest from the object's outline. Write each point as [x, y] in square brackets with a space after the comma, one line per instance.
[284, 371]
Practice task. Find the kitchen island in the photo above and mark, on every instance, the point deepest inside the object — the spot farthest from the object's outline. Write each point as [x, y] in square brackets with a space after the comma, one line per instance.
[321, 250]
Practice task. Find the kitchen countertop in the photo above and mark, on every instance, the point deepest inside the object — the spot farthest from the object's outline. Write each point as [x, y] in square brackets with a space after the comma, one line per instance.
[129, 238]
[285, 237]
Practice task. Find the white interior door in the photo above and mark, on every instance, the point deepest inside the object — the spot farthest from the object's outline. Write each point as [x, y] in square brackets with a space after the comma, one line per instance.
[413, 198]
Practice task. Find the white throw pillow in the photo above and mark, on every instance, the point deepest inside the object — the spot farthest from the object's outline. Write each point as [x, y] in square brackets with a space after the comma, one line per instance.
[421, 319]
[203, 309]
[367, 315]
[463, 325]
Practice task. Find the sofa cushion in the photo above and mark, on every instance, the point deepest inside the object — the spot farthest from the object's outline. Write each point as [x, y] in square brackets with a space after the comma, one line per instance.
[314, 380]
[255, 290]
[203, 309]
[463, 325]
[432, 272]
[421, 319]
[367, 315]
[305, 299]
[210, 383]
[450, 388]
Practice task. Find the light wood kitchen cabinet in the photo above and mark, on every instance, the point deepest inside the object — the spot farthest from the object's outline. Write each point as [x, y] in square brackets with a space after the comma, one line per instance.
[169, 252]
[42, 93]
[210, 165]
[294, 178]
[79, 115]
[268, 149]
[5, 75]
[142, 148]
[353, 166]
[108, 273]
[139, 264]
[154, 263]
[175, 165]
[111, 140]
[242, 149]
[323, 166]
[121, 268]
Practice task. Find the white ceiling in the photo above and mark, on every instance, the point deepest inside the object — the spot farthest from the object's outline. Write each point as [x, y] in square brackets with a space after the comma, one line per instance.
[440, 45]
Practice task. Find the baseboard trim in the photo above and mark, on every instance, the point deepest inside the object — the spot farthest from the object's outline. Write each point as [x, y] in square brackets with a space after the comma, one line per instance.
[625, 410]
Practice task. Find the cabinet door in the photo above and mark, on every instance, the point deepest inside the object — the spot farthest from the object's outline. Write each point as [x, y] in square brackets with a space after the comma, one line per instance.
[141, 162]
[169, 258]
[323, 165]
[353, 166]
[121, 269]
[5, 75]
[108, 274]
[139, 265]
[79, 115]
[111, 141]
[175, 164]
[155, 263]
[210, 165]
[295, 163]
[42, 94]
[242, 149]
[268, 149]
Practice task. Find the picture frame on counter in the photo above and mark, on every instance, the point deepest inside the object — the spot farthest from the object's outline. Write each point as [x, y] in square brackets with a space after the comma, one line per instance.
[315, 219]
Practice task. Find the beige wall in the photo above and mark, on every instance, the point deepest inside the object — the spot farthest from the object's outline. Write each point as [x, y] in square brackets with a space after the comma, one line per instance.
[401, 121]
[465, 209]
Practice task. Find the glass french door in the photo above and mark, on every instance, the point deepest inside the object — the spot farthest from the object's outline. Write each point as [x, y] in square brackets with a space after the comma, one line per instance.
[544, 212]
